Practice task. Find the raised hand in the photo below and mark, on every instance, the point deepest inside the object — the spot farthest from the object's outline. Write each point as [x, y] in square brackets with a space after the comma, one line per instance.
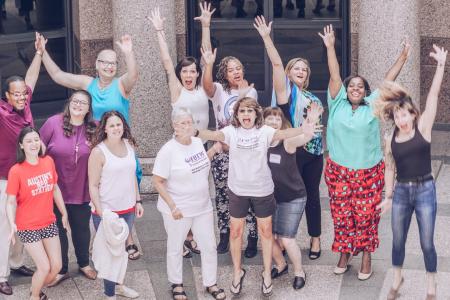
[125, 44]
[262, 27]
[308, 129]
[328, 36]
[40, 42]
[206, 13]
[156, 19]
[406, 50]
[439, 55]
[244, 88]
[314, 112]
[208, 56]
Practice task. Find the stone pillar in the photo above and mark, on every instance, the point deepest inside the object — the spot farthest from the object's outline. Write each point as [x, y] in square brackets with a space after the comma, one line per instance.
[150, 101]
[382, 26]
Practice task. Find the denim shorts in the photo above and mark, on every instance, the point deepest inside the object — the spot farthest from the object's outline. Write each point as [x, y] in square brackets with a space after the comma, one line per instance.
[128, 217]
[287, 216]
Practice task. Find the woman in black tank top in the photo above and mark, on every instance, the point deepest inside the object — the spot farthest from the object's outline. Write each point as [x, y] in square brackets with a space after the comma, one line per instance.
[407, 150]
[290, 193]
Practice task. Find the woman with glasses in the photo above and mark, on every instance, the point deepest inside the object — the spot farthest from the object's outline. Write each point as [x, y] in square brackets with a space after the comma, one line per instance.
[67, 137]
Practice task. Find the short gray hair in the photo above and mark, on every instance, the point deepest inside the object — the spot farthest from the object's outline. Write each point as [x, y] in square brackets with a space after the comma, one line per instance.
[178, 112]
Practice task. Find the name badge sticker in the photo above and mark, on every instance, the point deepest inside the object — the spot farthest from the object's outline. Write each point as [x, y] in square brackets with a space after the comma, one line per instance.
[275, 158]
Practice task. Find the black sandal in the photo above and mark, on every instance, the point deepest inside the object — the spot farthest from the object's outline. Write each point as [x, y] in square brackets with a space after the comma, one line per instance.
[216, 293]
[190, 245]
[239, 285]
[266, 290]
[186, 252]
[313, 254]
[133, 252]
[175, 294]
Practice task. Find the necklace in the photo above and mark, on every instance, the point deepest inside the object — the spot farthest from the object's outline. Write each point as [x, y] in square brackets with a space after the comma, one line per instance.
[77, 142]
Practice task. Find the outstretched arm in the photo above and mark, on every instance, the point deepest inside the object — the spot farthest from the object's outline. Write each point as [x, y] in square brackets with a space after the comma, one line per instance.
[129, 79]
[205, 20]
[279, 83]
[399, 63]
[333, 65]
[429, 114]
[33, 71]
[209, 57]
[68, 80]
[172, 80]
[211, 135]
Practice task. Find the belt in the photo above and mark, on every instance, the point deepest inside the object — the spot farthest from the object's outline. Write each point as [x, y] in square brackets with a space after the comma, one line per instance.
[418, 179]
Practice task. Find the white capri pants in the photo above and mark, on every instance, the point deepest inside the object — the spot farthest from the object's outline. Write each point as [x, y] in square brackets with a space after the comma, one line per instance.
[202, 227]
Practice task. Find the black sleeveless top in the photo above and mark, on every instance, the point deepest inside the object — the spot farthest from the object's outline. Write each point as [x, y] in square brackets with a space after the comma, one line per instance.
[413, 157]
[286, 177]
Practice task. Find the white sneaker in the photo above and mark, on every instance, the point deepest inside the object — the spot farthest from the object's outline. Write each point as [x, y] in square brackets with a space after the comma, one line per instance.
[126, 292]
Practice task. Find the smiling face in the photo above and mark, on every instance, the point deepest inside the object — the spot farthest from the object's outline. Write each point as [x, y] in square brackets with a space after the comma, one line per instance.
[31, 144]
[17, 95]
[299, 74]
[356, 90]
[79, 105]
[404, 119]
[273, 121]
[189, 76]
[234, 73]
[114, 128]
[106, 64]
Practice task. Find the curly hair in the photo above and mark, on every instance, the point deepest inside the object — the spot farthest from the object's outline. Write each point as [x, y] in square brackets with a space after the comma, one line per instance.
[251, 103]
[100, 134]
[88, 121]
[221, 74]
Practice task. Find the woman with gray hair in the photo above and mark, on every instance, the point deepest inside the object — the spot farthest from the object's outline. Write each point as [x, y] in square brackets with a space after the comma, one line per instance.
[180, 175]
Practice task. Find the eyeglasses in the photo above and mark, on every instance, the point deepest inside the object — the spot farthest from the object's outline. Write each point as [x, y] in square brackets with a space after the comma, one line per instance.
[107, 63]
[19, 95]
[79, 102]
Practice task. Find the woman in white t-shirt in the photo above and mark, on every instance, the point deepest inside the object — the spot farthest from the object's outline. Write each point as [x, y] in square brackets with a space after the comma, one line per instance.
[184, 87]
[180, 175]
[224, 94]
[249, 181]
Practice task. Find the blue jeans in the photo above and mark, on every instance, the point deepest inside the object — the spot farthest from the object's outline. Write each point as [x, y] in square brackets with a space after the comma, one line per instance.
[110, 286]
[421, 198]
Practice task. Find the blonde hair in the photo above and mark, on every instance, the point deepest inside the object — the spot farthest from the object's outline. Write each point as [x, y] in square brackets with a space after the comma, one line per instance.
[291, 64]
[393, 97]
[251, 103]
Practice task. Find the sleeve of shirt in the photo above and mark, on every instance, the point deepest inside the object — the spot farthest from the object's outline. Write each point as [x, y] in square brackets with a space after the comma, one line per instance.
[161, 167]
[217, 93]
[46, 131]
[373, 96]
[13, 186]
[227, 132]
[30, 94]
[269, 132]
[342, 95]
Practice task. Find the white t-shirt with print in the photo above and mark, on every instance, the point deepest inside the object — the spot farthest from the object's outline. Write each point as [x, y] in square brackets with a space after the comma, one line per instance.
[248, 173]
[223, 104]
[186, 169]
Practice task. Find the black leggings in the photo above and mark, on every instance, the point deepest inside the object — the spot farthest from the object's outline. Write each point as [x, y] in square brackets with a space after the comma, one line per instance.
[311, 167]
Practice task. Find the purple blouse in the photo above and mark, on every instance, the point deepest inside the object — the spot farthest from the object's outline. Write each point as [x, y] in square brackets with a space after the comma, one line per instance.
[71, 156]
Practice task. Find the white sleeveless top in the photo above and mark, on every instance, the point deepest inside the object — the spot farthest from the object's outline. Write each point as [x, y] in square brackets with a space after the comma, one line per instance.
[197, 102]
[117, 182]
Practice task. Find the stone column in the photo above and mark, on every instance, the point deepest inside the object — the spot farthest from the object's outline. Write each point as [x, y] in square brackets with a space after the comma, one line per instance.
[382, 26]
[150, 101]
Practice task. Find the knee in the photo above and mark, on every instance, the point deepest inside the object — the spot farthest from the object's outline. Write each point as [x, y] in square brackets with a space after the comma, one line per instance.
[265, 230]
[43, 268]
[236, 231]
[287, 242]
[55, 267]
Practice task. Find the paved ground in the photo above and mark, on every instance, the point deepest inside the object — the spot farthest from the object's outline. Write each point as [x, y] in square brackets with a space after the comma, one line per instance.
[148, 274]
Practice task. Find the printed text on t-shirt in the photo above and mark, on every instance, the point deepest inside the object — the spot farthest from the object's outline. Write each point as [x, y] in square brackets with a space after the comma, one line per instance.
[247, 143]
[41, 183]
[197, 162]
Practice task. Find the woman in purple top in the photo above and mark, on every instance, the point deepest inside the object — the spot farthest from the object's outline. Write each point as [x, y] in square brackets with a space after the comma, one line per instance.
[67, 137]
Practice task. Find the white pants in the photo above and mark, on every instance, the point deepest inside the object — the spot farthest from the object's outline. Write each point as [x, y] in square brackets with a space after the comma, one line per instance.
[15, 254]
[202, 227]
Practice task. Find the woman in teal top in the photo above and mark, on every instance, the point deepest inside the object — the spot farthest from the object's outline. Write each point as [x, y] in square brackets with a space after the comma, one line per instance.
[291, 96]
[354, 171]
[108, 91]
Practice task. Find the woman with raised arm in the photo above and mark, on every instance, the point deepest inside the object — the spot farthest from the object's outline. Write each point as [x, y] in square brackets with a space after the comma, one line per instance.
[180, 176]
[354, 172]
[224, 94]
[408, 151]
[32, 191]
[291, 96]
[290, 193]
[67, 137]
[250, 181]
[112, 154]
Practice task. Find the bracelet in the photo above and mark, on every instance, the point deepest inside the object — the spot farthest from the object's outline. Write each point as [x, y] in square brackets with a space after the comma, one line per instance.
[39, 53]
[139, 201]
[197, 133]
